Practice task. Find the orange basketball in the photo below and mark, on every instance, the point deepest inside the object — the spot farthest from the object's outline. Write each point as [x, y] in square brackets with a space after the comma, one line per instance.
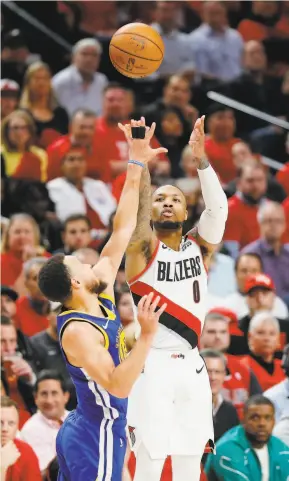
[136, 50]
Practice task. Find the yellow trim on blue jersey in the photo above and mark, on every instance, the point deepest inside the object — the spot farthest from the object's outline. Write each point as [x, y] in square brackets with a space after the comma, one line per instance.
[107, 296]
[111, 314]
[103, 332]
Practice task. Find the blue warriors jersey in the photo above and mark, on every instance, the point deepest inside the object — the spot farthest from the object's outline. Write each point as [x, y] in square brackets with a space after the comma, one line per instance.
[93, 400]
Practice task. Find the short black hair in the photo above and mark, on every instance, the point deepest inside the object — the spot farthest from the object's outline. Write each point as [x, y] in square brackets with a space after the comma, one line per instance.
[76, 217]
[47, 375]
[248, 254]
[124, 289]
[258, 400]
[54, 279]
[6, 321]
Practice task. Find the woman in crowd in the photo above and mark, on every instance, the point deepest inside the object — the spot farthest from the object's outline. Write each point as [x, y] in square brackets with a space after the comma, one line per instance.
[38, 98]
[21, 242]
[20, 157]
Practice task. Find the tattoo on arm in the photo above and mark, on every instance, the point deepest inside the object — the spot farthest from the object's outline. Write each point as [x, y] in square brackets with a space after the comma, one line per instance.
[204, 163]
[143, 231]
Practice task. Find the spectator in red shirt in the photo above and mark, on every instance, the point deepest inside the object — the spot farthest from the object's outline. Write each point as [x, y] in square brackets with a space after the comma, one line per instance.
[263, 342]
[242, 226]
[21, 158]
[240, 383]
[220, 140]
[286, 210]
[38, 98]
[112, 145]
[32, 310]
[18, 460]
[20, 243]
[81, 135]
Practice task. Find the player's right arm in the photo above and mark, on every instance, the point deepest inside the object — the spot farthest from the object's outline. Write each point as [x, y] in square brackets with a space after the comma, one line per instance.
[83, 346]
[143, 241]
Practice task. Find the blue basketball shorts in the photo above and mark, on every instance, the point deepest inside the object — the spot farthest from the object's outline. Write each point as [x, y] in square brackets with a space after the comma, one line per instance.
[91, 450]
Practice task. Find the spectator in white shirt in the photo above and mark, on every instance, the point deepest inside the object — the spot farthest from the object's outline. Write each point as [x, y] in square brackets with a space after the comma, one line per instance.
[76, 194]
[40, 431]
[80, 85]
[217, 48]
[178, 56]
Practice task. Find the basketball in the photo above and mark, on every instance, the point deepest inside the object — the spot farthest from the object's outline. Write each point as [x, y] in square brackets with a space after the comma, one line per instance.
[136, 50]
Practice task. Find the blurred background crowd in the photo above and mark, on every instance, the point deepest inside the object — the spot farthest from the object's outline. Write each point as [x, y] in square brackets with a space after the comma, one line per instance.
[63, 164]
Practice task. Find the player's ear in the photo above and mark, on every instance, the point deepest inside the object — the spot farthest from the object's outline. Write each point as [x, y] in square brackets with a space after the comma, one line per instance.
[75, 283]
[186, 215]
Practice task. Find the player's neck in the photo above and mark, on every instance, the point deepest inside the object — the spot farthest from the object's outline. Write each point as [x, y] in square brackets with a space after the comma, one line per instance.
[171, 239]
[87, 303]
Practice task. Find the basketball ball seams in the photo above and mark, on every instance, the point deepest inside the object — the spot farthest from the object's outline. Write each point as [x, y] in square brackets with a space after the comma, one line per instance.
[134, 55]
[129, 73]
[141, 36]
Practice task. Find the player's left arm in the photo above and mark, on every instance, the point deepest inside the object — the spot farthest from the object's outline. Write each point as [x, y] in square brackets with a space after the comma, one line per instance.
[210, 229]
[126, 215]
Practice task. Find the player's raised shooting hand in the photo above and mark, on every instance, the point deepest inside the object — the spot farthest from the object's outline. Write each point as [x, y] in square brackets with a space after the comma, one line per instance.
[197, 141]
[140, 149]
[147, 315]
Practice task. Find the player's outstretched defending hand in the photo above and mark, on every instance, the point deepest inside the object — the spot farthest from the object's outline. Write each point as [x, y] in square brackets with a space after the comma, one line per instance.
[147, 315]
[139, 149]
[197, 141]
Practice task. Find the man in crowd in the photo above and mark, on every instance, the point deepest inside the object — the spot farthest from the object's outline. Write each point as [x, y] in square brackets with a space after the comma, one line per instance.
[82, 136]
[239, 383]
[18, 460]
[76, 233]
[80, 85]
[260, 296]
[40, 431]
[225, 414]
[242, 226]
[74, 192]
[249, 451]
[270, 248]
[263, 340]
[112, 145]
[9, 96]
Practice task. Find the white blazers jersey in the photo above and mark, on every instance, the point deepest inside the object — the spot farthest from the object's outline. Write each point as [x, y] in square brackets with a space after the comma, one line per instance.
[180, 279]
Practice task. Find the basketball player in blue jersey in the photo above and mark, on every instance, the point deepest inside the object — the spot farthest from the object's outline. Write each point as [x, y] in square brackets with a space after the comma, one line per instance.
[91, 444]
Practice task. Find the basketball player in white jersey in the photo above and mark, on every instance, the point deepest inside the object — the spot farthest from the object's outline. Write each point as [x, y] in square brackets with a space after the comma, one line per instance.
[171, 406]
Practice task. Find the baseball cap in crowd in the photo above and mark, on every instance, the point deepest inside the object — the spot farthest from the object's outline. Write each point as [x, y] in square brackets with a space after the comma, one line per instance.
[9, 88]
[259, 281]
[7, 291]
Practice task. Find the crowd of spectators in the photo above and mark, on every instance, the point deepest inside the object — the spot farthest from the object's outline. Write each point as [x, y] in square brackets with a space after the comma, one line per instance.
[63, 166]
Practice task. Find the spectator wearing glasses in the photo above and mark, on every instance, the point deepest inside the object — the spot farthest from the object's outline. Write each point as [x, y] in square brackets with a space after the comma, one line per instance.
[22, 159]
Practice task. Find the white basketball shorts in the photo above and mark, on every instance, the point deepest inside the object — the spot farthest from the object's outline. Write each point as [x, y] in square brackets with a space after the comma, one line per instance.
[170, 407]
